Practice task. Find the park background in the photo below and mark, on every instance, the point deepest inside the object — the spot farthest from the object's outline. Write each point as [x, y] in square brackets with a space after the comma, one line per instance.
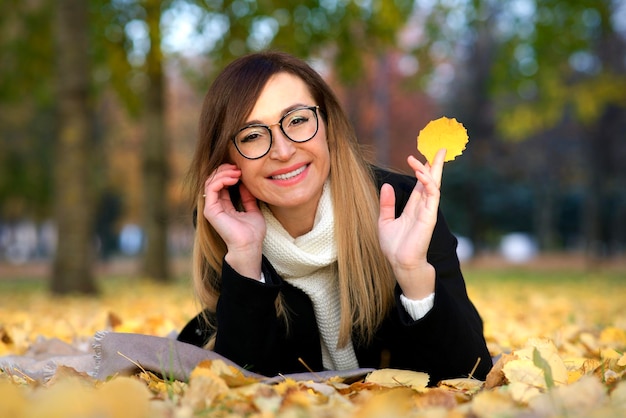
[99, 103]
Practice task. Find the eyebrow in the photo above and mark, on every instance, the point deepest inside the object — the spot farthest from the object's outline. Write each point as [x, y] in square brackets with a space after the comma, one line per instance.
[283, 113]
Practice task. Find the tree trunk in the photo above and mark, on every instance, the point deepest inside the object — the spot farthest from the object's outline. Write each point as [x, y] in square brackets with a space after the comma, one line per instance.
[544, 222]
[155, 169]
[381, 124]
[600, 144]
[472, 106]
[74, 209]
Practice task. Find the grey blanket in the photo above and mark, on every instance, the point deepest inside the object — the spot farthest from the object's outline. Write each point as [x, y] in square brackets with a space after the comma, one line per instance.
[124, 354]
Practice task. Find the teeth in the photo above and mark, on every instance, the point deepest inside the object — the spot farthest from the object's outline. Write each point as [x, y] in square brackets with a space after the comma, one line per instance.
[289, 175]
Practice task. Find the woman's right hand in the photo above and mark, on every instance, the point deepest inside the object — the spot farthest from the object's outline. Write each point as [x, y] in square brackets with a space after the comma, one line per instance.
[243, 232]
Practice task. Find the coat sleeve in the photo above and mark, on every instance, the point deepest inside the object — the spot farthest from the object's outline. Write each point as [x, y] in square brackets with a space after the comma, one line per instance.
[448, 341]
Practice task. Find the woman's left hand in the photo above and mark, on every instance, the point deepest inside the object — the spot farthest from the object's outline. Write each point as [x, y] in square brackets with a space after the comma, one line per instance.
[405, 240]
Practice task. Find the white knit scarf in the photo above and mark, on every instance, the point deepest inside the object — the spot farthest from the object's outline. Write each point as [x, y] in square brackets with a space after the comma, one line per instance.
[309, 262]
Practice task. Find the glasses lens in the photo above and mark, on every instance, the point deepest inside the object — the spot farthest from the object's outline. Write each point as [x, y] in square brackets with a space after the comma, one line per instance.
[253, 141]
[300, 125]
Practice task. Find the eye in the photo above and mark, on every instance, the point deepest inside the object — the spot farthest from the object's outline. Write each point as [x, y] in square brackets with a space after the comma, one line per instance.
[299, 117]
[252, 134]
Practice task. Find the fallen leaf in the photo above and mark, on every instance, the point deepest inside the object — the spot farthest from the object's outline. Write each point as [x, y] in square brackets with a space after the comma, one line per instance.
[495, 403]
[548, 352]
[13, 403]
[584, 320]
[394, 403]
[205, 386]
[614, 336]
[399, 378]
[496, 376]
[463, 384]
[232, 376]
[124, 397]
[577, 399]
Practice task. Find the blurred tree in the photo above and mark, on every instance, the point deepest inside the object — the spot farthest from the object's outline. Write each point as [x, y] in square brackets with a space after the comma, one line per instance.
[155, 156]
[546, 75]
[309, 29]
[569, 73]
[26, 110]
[125, 49]
[132, 53]
[74, 209]
[344, 34]
[532, 69]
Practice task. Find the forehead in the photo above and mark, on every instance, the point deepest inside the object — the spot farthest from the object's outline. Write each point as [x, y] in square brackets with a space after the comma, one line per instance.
[281, 92]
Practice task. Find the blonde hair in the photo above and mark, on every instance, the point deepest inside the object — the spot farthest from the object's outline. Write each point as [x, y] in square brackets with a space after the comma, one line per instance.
[366, 281]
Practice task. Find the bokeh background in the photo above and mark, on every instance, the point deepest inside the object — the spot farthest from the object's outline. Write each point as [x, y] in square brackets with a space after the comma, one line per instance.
[99, 102]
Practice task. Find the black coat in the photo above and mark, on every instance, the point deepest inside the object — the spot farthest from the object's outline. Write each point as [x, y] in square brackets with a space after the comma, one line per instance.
[446, 343]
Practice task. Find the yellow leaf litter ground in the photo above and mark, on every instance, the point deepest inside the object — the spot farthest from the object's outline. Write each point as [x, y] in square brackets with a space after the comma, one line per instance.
[562, 331]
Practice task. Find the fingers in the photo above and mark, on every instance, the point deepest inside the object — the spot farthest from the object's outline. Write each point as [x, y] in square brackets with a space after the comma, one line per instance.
[216, 196]
[226, 175]
[248, 201]
[387, 204]
[437, 168]
[427, 173]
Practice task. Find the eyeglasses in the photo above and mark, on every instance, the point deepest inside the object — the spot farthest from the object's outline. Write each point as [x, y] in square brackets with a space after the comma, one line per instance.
[298, 125]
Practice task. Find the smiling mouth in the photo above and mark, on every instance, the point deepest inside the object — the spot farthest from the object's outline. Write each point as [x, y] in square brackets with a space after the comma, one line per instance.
[291, 174]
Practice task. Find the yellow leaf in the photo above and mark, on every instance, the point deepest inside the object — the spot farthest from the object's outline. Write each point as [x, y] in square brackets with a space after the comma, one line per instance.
[522, 392]
[154, 382]
[609, 354]
[285, 386]
[399, 378]
[618, 395]
[299, 398]
[124, 397]
[205, 386]
[394, 403]
[463, 384]
[578, 367]
[442, 133]
[65, 372]
[70, 397]
[496, 375]
[493, 403]
[579, 399]
[13, 402]
[231, 375]
[549, 353]
[613, 335]
[525, 372]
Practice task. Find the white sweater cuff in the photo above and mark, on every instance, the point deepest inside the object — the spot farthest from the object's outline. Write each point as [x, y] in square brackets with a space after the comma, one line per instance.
[417, 309]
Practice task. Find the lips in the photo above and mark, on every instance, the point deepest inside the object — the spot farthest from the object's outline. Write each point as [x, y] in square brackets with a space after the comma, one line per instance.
[290, 174]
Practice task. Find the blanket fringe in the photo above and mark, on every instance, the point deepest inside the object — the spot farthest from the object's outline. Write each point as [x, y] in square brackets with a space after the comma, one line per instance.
[49, 370]
[97, 348]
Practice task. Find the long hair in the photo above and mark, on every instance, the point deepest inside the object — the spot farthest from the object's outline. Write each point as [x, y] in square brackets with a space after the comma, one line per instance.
[366, 281]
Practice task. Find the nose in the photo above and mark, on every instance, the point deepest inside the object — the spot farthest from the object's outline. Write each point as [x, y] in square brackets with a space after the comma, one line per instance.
[282, 147]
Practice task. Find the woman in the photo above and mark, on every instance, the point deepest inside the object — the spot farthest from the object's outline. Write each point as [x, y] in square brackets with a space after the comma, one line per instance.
[305, 256]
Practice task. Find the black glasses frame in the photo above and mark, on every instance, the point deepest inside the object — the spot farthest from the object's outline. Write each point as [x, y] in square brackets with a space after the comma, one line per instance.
[280, 124]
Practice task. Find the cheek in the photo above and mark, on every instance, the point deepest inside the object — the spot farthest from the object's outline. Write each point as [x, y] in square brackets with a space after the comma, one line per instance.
[233, 156]
[324, 146]
[250, 172]
[247, 178]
